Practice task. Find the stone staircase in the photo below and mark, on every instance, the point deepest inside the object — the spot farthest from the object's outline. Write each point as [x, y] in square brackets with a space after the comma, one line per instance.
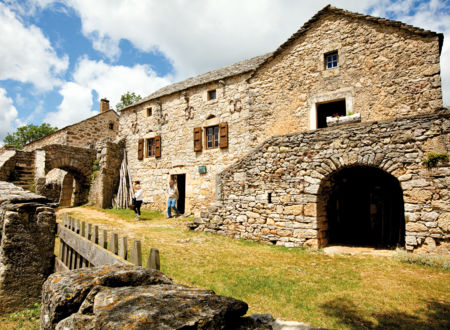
[23, 173]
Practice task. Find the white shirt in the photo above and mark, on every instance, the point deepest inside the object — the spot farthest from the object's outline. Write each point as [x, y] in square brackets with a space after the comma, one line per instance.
[138, 195]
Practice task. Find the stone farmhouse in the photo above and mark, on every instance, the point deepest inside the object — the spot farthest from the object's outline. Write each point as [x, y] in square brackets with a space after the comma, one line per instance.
[255, 156]
[320, 142]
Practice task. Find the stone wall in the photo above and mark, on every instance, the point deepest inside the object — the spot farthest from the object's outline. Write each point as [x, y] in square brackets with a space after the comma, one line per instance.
[106, 181]
[177, 142]
[27, 236]
[84, 134]
[383, 71]
[7, 162]
[296, 170]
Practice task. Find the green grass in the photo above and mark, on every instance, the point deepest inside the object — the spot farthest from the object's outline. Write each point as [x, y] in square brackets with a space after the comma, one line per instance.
[130, 215]
[27, 319]
[340, 292]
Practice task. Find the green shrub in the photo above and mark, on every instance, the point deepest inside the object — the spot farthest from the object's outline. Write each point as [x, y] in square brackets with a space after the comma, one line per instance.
[434, 158]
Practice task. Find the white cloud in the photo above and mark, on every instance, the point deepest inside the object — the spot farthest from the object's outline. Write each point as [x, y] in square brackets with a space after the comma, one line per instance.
[200, 35]
[26, 54]
[8, 115]
[197, 35]
[107, 81]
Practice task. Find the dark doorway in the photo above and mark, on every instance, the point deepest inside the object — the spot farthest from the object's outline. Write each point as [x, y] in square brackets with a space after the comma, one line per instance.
[329, 109]
[181, 185]
[365, 208]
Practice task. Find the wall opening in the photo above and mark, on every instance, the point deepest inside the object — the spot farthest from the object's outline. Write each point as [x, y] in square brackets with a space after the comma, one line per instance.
[329, 109]
[362, 206]
[180, 180]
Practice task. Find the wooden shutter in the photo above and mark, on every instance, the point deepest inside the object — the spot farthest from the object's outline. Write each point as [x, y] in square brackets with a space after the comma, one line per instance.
[141, 149]
[223, 135]
[158, 146]
[198, 139]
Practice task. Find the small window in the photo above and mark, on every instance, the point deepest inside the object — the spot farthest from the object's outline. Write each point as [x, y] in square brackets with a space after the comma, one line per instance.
[111, 126]
[149, 112]
[212, 137]
[212, 95]
[150, 147]
[331, 60]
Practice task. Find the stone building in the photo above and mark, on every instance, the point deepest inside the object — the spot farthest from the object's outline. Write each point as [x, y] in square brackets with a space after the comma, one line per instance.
[338, 63]
[60, 165]
[84, 134]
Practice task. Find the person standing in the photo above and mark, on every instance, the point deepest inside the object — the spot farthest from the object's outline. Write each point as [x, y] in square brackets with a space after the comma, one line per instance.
[138, 200]
[172, 199]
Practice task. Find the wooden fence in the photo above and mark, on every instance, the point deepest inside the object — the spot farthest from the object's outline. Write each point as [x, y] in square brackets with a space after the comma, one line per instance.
[81, 245]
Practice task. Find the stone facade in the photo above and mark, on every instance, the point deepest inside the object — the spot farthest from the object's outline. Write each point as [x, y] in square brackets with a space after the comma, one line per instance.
[385, 70]
[27, 237]
[280, 193]
[84, 134]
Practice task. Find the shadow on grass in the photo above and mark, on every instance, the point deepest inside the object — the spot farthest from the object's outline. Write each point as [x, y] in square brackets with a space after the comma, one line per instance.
[435, 316]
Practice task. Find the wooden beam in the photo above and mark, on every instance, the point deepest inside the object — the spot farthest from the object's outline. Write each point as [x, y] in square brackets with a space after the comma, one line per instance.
[93, 253]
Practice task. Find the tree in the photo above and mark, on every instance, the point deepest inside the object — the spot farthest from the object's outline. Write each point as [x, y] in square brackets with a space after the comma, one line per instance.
[127, 99]
[28, 133]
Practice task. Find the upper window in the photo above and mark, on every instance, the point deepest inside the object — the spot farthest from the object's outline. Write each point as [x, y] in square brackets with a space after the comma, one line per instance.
[149, 112]
[111, 126]
[331, 60]
[150, 147]
[212, 137]
[212, 95]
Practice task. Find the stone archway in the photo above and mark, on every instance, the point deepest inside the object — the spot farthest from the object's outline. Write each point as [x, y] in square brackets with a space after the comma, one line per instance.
[361, 206]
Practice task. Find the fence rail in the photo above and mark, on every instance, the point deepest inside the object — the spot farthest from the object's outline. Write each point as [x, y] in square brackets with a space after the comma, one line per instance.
[81, 246]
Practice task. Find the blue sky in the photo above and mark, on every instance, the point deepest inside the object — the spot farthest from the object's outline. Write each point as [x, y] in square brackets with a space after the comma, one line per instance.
[58, 58]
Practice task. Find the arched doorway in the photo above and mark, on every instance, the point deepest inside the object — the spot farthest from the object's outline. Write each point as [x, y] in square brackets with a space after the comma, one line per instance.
[363, 206]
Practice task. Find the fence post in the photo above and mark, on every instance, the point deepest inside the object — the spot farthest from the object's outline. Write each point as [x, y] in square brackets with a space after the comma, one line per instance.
[113, 243]
[153, 261]
[77, 227]
[136, 253]
[94, 237]
[83, 229]
[123, 246]
[104, 239]
[89, 231]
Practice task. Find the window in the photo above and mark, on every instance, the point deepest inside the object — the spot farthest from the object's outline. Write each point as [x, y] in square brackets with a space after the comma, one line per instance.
[212, 95]
[331, 60]
[212, 137]
[111, 126]
[329, 109]
[150, 147]
[149, 112]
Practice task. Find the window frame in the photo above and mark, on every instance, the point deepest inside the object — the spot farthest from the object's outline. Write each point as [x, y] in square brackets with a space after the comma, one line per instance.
[215, 137]
[210, 93]
[150, 152]
[334, 62]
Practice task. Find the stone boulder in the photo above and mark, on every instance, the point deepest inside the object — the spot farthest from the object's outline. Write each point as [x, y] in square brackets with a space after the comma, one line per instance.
[130, 297]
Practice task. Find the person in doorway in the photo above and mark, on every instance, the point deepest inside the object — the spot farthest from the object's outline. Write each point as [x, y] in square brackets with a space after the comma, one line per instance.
[137, 200]
[172, 200]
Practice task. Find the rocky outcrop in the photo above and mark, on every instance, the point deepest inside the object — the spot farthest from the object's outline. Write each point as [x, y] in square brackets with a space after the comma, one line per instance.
[130, 297]
[27, 237]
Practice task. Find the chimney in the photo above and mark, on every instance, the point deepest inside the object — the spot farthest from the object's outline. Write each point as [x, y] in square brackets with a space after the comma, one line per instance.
[104, 105]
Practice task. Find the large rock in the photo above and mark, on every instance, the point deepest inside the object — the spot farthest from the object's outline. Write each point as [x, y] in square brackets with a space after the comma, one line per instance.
[64, 293]
[27, 238]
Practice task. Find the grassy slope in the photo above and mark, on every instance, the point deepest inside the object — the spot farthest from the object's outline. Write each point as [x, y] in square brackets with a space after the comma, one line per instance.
[296, 284]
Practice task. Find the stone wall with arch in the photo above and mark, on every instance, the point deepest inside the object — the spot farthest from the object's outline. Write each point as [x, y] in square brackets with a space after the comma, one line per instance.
[276, 193]
[77, 162]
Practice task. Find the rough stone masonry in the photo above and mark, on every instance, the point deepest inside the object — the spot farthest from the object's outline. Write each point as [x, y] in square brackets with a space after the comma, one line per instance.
[27, 238]
[281, 192]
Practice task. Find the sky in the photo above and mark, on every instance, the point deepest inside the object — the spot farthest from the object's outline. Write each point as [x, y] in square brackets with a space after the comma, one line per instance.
[58, 58]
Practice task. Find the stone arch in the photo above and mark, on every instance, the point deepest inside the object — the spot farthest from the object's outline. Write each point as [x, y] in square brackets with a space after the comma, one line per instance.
[77, 162]
[359, 203]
